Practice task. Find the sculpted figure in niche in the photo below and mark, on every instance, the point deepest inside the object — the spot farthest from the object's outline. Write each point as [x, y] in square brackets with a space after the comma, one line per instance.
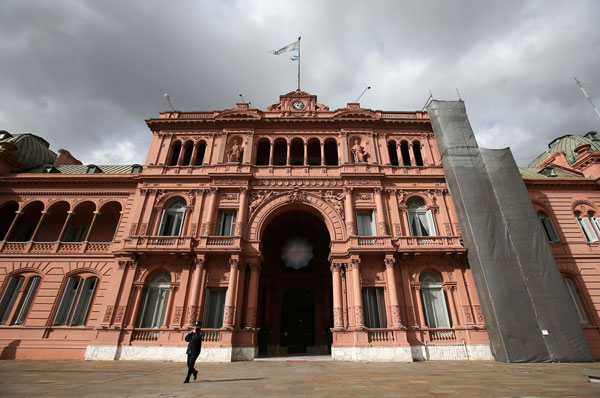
[234, 153]
[358, 153]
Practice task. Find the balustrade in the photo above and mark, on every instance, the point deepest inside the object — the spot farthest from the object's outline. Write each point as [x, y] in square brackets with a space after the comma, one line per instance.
[145, 335]
[442, 335]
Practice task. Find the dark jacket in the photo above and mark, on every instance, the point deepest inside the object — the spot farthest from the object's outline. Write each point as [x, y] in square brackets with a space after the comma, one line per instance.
[194, 340]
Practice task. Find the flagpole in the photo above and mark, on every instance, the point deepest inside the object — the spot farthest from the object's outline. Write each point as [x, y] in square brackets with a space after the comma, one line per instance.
[299, 62]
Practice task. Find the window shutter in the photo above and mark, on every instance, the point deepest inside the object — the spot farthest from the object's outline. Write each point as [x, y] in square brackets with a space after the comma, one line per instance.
[549, 226]
[28, 300]
[84, 301]
[161, 229]
[588, 229]
[9, 297]
[66, 304]
[431, 228]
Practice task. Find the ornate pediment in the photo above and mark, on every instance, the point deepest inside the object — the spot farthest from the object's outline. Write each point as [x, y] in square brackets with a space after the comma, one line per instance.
[298, 103]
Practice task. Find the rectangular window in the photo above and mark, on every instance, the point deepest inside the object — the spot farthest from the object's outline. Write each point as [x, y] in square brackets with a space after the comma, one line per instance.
[551, 233]
[68, 299]
[421, 223]
[374, 307]
[365, 223]
[575, 298]
[10, 297]
[214, 308]
[588, 230]
[226, 223]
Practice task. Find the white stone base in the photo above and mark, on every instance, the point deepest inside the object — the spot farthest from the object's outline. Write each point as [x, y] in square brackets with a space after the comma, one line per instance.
[372, 354]
[434, 352]
[167, 353]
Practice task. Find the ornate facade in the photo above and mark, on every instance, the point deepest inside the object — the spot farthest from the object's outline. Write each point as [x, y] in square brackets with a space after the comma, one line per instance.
[297, 229]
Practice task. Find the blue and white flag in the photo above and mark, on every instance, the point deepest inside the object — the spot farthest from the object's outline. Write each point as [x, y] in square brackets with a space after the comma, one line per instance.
[290, 47]
[294, 57]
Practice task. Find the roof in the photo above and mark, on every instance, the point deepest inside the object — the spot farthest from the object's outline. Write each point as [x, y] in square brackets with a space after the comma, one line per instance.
[82, 169]
[567, 144]
[536, 172]
[32, 151]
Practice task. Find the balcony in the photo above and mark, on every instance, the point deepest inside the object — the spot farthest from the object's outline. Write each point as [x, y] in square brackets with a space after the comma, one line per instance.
[370, 243]
[219, 243]
[55, 247]
[153, 244]
[430, 244]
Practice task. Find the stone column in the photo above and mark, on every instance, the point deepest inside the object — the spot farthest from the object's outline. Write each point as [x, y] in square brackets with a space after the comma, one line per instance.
[419, 300]
[18, 215]
[344, 139]
[207, 227]
[322, 154]
[374, 155]
[338, 314]
[359, 317]
[242, 212]
[170, 300]
[209, 149]
[252, 304]
[192, 314]
[399, 154]
[138, 287]
[194, 154]
[181, 154]
[62, 231]
[39, 224]
[228, 318]
[87, 235]
[288, 154]
[350, 216]
[449, 289]
[382, 227]
[248, 149]
[392, 291]
[271, 149]
[305, 153]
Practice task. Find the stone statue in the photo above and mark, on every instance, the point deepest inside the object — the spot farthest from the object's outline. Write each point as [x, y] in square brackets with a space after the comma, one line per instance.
[358, 153]
[234, 153]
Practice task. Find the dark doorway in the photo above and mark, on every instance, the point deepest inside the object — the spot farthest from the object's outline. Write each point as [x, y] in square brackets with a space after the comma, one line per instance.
[297, 321]
[295, 286]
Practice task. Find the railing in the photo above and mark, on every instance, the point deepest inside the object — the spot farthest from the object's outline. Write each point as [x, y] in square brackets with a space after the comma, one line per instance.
[429, 241]
[370, 241]
[159, 243]
[206, 115]
[145, 335]
[55, 247]
[389, 115]
[212, 336]
[442, 335]
[219, 241]
[380, 335]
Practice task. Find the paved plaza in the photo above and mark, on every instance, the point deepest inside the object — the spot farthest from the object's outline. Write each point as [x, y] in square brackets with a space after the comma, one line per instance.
[295, 377]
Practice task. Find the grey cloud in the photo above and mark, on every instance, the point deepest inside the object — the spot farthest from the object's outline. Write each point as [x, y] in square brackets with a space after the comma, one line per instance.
[86, 74]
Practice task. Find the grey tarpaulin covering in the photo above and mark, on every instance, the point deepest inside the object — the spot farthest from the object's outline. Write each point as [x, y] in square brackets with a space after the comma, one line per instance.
[529, 315]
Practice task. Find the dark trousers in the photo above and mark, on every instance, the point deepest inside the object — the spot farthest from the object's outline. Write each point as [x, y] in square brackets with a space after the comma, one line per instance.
[191, 361]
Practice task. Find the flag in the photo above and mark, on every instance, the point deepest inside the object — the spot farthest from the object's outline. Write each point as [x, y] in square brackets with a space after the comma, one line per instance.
[294, 57]
[290, 47]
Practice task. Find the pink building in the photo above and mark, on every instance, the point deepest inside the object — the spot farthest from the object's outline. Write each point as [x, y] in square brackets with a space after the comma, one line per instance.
[296, 229]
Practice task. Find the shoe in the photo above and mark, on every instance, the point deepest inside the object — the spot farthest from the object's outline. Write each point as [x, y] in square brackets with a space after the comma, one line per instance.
[195, 374]
[186, 381]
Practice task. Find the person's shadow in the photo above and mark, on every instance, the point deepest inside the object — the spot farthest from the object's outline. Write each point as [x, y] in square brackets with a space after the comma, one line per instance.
[10, 351]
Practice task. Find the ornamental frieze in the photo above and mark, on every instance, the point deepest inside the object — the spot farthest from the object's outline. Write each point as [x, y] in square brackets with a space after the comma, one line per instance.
[299, 182]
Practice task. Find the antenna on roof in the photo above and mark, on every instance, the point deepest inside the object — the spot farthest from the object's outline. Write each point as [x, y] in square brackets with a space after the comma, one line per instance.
[169, 101]
[242, 97]
[586, 95]
[428, 101]
[459, 97]
[364, 91]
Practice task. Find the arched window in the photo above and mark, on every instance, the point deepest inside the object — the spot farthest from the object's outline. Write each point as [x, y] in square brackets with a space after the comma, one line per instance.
[590, 226]
[263, 152]
[76, 300]
[314, 152]
[420, 220]
[79, 223]
[280, 153]
[187, 153]
[574, 294]
[405, 153]
[28, 221]
[331, 153]
[200, 151]
[393, 152]
[297, 152]
[8, 213]
[434, 302]
[107, 220]
[548, 226]
[20, 289]
[171, 222]
[175, 150]
[417, 153]
[155, 299]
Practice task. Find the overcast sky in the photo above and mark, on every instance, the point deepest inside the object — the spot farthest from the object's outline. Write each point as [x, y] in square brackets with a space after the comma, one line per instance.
[86, 74]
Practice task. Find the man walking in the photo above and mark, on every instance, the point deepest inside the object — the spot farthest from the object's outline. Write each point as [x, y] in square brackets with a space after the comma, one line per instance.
[194, 340]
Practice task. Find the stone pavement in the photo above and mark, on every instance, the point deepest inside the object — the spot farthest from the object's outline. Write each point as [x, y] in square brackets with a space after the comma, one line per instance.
[295, 377]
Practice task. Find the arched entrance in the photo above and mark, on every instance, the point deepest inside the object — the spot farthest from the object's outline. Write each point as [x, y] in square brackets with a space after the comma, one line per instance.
[295, 297]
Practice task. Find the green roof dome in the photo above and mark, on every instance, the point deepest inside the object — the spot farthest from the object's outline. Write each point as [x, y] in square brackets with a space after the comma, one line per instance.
[32, 151]
[567, 144]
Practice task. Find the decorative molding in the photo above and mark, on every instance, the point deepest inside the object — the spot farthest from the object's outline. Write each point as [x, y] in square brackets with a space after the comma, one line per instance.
[108, 313]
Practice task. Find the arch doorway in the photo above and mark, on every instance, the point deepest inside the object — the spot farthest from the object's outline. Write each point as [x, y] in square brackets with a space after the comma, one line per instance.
[295, 287]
